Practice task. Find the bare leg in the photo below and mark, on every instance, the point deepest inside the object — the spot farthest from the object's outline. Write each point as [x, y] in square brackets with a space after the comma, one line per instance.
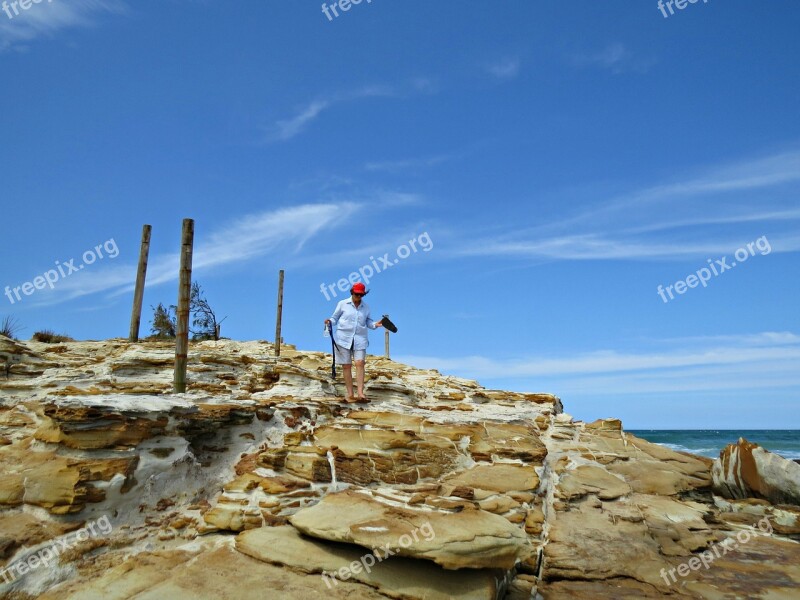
[348, 380]
[360, 377]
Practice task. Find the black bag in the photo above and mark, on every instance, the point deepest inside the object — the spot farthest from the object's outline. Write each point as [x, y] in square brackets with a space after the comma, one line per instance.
[388, 324]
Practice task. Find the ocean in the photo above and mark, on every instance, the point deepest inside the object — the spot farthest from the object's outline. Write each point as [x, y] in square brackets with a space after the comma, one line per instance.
[709, 442]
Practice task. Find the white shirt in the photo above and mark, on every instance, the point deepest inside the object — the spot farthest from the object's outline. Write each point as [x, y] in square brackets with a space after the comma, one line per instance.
[351, 324]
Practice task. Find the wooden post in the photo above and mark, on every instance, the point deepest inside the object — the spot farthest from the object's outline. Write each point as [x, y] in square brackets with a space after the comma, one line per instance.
[278, 338]
[184, 293]
[386, 342]
[138, 293]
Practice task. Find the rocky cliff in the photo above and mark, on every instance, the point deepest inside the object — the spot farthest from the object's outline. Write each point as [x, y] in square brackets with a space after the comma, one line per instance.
[261, 483]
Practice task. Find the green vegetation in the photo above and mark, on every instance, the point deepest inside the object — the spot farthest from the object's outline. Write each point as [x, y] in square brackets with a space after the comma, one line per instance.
[203, 319]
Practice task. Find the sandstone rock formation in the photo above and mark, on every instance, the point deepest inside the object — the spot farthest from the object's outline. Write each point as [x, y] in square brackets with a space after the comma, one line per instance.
[746, 470]
[260, 483]
[457, 539]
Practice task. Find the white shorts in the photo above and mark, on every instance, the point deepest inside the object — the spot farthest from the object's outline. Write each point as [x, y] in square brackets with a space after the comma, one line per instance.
[345, 356]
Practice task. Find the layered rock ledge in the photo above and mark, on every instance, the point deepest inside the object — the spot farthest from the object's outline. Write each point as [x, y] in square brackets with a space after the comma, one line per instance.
[261, 483]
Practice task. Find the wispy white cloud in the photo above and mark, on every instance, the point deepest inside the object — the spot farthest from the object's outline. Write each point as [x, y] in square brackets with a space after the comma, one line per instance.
[757, 173]
[766, 338]
[759, 377]
[608, 57]
[47, 18]
[607, 361]
[256, 235]
[243, 240]
[768, 359]
[408, 164]
[716, 219]
[615, 57]
[359, 251]
[598, 247]
[507, 68]
[390, 199]
[286, 129]
[641, 226]
[656, 205]
[425, 85]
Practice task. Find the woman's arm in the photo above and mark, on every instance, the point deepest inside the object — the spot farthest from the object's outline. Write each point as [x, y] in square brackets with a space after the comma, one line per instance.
[336, 314]
[372, 324]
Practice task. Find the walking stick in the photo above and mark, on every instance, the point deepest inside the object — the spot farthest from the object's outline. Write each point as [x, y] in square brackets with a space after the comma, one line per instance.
[333, 352]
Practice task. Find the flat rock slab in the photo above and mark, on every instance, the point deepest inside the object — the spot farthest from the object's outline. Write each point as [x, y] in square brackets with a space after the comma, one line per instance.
[220, 574]
[586, 542]
[395, 577]
[613, 589]
[763, 568]
[589, 479]
[473, 539]
[498, 477]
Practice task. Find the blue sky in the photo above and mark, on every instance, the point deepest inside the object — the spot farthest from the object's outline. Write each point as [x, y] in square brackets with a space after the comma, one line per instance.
[564, 160]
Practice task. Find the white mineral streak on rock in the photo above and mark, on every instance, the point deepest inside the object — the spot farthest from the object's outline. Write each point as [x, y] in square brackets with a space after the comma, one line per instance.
[332, 463]
[746, 470]
[517, 493]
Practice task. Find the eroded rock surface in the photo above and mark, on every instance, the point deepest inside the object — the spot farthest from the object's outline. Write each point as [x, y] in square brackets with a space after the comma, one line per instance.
[393, 576]
[261, 483]
[455, 539]
[746, 470]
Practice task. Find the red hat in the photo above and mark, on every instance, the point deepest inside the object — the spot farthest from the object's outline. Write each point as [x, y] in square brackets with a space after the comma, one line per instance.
[359, 288]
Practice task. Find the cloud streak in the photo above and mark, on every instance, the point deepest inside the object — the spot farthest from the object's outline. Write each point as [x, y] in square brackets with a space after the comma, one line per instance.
[290, 127]
[394, 166]
[767, 359]
[505, 69]
[47, 18]
[615, 57]
[252, 237]
[286, 129]
[641, 225]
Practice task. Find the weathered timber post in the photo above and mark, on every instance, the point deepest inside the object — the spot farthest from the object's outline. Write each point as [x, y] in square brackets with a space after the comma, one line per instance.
[386, 342]
[278, 338]
[138, 293]
[184, 294]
